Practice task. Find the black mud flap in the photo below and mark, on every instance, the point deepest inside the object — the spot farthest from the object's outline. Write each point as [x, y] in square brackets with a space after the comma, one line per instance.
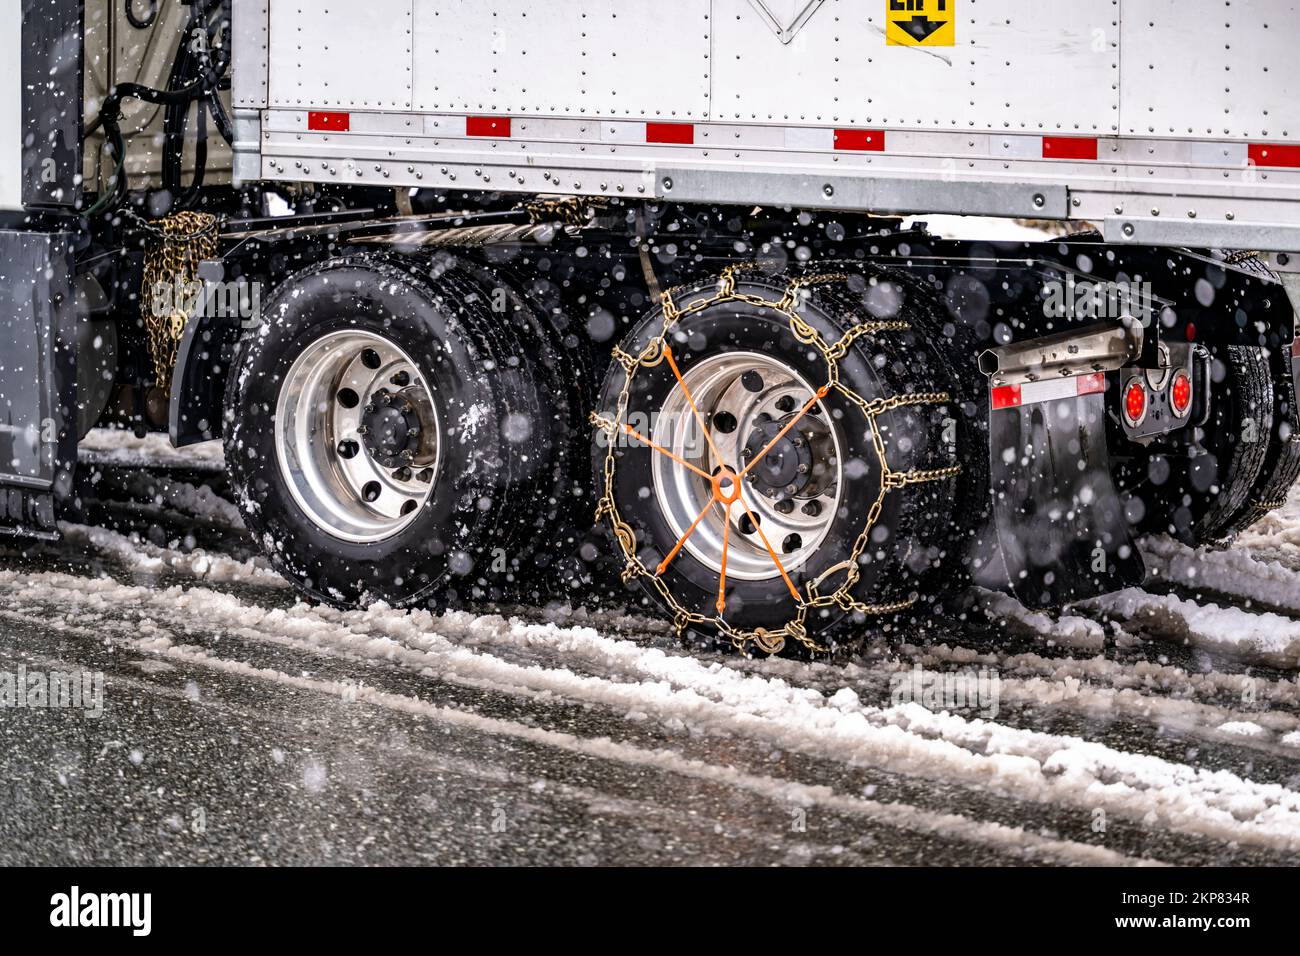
[38, 386]
[1060, 525]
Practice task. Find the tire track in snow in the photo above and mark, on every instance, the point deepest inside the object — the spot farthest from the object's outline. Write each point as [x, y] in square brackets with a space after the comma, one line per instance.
[549, 707]
[1023, 701]
[1017, 842]
[1070, 691]
[1044, 769]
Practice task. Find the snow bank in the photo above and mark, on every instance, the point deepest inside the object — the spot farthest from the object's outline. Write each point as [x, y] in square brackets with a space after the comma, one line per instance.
[1235, 572]
[1259, 638]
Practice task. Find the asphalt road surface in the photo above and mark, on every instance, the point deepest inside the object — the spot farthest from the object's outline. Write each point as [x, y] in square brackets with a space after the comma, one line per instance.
[235, 724]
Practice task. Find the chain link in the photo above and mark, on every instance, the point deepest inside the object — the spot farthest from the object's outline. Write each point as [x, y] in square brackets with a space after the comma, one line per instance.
[176, 246]
[770, 641]
[567, 210]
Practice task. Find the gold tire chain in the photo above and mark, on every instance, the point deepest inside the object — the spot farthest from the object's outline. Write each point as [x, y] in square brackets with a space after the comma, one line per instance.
[770, 641]
[176, 246]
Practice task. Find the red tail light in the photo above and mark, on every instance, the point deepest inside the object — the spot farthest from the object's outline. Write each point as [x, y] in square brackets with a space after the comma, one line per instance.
[1135, 402]
[1180, 393]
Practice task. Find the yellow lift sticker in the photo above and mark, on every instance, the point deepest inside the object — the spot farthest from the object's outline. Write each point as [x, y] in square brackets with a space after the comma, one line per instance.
[920, 22]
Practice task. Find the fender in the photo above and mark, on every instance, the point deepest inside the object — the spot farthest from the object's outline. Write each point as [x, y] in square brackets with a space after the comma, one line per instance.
[204, 354]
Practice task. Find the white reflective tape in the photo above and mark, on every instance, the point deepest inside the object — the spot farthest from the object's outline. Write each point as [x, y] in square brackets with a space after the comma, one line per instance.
[611, 132]
[809, 137]
[1218, 154]
[1053, 388]
[1017, 147]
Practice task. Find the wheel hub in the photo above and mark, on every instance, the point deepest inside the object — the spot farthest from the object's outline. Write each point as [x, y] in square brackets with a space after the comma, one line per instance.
[357, 435]
[785, 468]
[772, 455]
[390, 429]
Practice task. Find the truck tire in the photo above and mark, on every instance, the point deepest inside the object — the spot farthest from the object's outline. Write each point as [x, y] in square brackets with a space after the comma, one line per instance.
[1281, 465]
[773, 527]
[387, 436]
[1217, 484]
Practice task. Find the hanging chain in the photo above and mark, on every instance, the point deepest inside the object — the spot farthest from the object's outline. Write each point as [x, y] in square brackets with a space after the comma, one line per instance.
[176, 246]
[566, 210]
[771, 641]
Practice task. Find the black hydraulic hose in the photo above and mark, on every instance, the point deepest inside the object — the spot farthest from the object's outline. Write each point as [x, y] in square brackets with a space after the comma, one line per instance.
[220, 118]
[191, 192]
[111, 111]
[205, 89]
[176, 117]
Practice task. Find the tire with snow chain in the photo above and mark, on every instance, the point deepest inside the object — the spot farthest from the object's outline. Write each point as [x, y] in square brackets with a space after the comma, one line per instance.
[388, 436]
[785, 473]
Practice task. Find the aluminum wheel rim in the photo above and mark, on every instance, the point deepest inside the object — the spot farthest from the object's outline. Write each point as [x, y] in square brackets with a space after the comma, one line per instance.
[343, 405]
[724, 385]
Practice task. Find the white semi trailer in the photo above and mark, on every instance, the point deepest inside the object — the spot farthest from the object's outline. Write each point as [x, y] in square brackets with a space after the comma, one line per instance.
[452, 280]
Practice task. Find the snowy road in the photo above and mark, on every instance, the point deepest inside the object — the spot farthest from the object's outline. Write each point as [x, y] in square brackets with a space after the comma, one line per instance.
[1153, 726]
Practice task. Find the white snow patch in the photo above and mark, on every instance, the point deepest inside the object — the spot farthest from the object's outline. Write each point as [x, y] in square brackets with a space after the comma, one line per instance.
[1234, 572]
[1065, 630]
[1245, 728]
[118, 446]
[146, 556]
[1264, 638]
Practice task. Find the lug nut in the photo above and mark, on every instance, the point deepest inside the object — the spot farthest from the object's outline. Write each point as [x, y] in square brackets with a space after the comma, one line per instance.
[812, 509]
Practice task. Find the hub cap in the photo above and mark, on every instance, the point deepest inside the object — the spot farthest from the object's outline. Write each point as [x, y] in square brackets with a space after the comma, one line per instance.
[792, 491]
[357, 436]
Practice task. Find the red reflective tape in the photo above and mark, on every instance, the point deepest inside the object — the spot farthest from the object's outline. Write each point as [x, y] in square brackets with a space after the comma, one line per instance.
[1295, 348]
[329, 122]
[1006, 396]
[1274, 154]
[680, 134]
[498, 126]
[1090, 383]
[1069, 147]
[867, 140]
